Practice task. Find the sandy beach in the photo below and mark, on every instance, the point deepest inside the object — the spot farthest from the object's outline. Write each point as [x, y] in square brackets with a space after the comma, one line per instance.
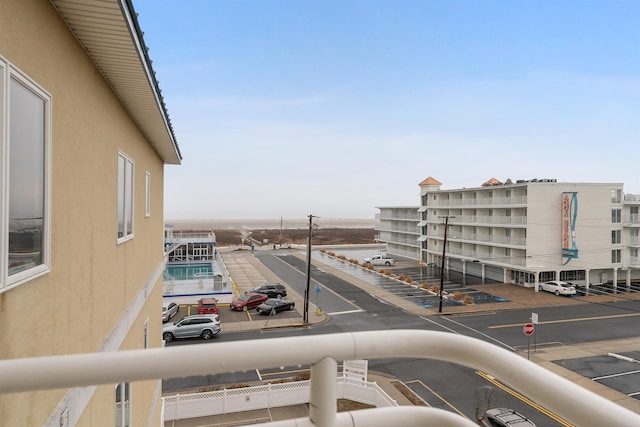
[277, 223]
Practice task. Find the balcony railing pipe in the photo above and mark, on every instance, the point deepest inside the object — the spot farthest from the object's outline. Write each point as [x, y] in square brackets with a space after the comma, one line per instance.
[405, 416]
[322, 396]
[575, 404]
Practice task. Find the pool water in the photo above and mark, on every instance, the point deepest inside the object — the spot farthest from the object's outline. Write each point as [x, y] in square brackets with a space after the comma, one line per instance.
[188, 271]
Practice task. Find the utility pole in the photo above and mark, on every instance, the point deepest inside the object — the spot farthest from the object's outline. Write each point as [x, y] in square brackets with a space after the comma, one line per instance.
[444, 251]
[305, 315]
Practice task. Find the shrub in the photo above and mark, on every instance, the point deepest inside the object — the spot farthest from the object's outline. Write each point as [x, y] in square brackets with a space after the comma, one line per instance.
[425, 285]
[457, 295]
[400, 276]
[409, 279]
[331, 253]
[436, 289]
[467, 299]
[323, 250]
[342, 257]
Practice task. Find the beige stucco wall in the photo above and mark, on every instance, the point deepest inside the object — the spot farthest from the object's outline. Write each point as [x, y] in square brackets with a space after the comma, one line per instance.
[93, 279]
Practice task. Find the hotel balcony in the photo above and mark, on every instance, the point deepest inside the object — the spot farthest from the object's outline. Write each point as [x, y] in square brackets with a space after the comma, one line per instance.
[510, 221]
[494, 202]
[573, 403]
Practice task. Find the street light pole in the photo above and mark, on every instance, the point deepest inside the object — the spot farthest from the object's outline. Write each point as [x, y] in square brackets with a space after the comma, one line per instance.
[444, 251]
[305, 313]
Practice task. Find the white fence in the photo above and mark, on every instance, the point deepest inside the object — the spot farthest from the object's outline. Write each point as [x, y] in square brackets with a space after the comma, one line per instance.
[243, 399]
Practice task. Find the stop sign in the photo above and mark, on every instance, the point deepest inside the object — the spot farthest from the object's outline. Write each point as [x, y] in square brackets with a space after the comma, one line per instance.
[528, 329]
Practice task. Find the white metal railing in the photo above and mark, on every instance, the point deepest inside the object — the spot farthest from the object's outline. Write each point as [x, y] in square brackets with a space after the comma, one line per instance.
[559, 395]
[188, 237]
[632, 218]
[483, 201]
[264, 396]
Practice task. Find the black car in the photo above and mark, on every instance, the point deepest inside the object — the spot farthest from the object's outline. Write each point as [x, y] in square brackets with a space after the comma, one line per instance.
[272, 290]
[275, 305]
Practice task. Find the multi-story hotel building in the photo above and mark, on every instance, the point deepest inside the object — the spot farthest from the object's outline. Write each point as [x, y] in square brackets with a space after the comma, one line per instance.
[398, 229]
[525, 232]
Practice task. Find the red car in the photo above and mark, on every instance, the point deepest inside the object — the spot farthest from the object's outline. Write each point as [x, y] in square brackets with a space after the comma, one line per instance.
[208, 306]
[248, 301]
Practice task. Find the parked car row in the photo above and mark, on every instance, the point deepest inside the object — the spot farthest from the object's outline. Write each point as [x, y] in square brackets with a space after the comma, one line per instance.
[266, 299]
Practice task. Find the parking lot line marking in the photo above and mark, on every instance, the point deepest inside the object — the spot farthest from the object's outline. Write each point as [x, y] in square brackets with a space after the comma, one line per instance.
[577, 319]
[620, 374]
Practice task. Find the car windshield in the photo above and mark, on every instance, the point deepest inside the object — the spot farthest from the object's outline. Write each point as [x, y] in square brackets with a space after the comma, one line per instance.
[164, 308]
[243, 298]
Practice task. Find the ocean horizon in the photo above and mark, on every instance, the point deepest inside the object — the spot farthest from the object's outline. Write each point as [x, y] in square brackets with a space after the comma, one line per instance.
[267, 224]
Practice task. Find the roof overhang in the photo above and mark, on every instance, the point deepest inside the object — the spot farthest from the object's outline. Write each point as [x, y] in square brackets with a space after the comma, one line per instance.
[108, 31]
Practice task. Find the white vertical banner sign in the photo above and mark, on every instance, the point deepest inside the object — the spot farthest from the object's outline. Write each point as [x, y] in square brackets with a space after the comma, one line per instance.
[534, 320]
[355, 369]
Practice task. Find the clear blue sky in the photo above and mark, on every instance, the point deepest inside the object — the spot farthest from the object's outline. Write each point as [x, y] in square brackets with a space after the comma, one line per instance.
[284, 108]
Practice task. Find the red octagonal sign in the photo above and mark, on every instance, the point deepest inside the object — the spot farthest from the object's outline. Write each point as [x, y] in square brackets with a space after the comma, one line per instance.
[528, 329]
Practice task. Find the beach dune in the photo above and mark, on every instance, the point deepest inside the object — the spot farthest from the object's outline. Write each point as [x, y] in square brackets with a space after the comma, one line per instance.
[257, 224]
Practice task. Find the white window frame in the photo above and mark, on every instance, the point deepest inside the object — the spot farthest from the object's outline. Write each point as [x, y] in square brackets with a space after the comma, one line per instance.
[125, 196]
[8, 73]
[616, 256]
[616, 216]
[616, 237]
[147, 194]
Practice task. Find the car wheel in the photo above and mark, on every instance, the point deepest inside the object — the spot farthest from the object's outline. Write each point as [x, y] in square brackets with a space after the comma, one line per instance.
[167, 336]
[387, 263]
[279, 296]
[244, 308]
[207, 334]
[557, 292]
[290, 307]
[273, 311]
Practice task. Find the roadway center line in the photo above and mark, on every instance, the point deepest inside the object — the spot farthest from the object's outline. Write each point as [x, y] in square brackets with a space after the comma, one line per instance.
[524, 399]
[577, 319]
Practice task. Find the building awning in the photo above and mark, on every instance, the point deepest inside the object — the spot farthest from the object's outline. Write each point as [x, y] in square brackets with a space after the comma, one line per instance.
[422, 223]
[422, 238]
[422, 209]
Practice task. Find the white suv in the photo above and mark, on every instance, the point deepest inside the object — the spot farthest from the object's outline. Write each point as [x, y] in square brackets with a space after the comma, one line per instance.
[200, 325]
[504, 417]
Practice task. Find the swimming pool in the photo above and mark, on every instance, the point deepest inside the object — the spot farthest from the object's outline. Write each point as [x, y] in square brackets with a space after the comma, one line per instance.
[188, 271]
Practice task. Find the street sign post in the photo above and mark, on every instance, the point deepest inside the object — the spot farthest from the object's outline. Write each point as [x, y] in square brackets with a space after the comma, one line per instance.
[528, 330]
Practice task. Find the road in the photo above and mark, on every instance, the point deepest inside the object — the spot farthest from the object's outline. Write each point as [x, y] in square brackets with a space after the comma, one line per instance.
[440, 384]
